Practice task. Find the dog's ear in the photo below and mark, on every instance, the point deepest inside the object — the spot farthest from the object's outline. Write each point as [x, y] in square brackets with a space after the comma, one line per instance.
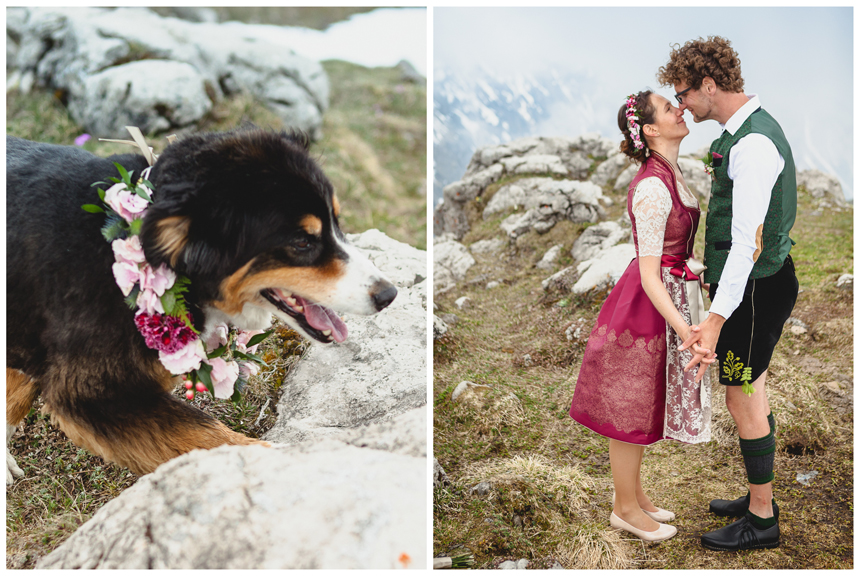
[165, 231]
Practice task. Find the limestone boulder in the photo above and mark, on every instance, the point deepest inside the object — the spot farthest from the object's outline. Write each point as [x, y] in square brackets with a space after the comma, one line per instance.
[378, 372]
[604, 271]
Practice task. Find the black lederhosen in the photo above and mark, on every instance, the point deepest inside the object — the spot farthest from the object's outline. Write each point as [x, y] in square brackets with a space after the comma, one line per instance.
[750, 334]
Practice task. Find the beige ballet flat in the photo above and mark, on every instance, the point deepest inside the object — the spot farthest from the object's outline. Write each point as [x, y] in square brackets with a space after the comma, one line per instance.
[659, 516]
[664, 532]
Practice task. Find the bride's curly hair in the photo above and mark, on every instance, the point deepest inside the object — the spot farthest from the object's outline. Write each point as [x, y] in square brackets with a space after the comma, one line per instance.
[696, 59]
[644, 115]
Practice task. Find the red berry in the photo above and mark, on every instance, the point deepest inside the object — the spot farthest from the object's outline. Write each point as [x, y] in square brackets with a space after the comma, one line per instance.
[190, 394]
[188, 384]
[201, 387]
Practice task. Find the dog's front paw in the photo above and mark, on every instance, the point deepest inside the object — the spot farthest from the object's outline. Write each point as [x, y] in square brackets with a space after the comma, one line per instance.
[12, 469]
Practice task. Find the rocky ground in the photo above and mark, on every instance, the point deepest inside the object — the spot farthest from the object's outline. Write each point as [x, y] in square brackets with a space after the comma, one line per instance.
[515, 298]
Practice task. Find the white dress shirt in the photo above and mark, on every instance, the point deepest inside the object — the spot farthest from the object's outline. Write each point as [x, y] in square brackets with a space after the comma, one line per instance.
[754, 166]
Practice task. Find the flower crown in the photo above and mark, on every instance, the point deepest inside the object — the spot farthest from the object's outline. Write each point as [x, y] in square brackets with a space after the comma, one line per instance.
[632, 116]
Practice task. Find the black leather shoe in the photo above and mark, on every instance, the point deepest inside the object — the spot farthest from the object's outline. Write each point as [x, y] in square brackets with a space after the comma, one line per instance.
[737, 508]
[741, 535]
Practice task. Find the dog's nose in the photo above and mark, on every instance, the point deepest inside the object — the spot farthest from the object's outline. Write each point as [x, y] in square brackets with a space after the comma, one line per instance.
[383, 294]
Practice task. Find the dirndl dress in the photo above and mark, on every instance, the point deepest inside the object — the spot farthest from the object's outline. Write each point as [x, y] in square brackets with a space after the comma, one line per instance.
[632, 385]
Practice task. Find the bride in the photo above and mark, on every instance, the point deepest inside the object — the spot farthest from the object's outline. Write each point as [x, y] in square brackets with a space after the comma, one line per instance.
[632, 387]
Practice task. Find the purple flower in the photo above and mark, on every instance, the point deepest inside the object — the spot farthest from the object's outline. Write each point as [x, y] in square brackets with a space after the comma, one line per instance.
[80, 140]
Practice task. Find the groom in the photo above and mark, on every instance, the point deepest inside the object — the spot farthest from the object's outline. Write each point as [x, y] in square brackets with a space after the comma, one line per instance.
[753, 286]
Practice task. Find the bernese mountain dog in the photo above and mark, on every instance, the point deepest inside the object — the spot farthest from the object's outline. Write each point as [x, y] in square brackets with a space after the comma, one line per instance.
[247, 216]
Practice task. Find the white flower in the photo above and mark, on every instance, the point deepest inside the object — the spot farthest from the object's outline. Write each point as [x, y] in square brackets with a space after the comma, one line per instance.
[184, 360]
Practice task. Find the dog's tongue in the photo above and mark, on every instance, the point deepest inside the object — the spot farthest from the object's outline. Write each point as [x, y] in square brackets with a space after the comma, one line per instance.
[322, 318]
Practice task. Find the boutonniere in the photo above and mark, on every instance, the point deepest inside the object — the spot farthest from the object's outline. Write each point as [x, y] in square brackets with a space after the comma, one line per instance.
[712, 160]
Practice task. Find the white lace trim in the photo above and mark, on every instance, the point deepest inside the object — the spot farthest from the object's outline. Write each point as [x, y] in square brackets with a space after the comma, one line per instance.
[652, 203]
[687, 197]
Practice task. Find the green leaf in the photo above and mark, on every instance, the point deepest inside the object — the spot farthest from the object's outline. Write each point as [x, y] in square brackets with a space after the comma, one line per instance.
[131, 299]
[126, 177]
[146, 183]
[99, 183]
[101, 194]
[93, 209]
[204, 374]
[259, 338]
[134, 226]
[251, 357]
[168, 302]
[114, 180]
[139, 191]
[217, 352]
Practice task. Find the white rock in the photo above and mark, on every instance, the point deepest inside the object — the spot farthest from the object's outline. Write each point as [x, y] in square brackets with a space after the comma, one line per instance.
[508, 565]
[451, 261]
[63, 47]
[821, 185]
[846, 282]
[522, 564]
[439, 327]
[626, 177]
[549, 258]
[463, 303]
[559, 279]
[466, 389]
[606, 270]
[534, 164]
[378, 372]
[230, 508]
[154, 95]
[469, 188]
[597, 239]
[609, 169]
[493, 284]
[698, 181]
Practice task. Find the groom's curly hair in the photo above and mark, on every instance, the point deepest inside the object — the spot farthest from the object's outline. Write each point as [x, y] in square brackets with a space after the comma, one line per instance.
[696, 59]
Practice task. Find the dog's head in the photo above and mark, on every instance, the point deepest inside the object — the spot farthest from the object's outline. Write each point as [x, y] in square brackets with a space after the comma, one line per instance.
[252, 220]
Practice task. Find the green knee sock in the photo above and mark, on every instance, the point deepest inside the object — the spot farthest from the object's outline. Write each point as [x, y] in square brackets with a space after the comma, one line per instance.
[758, 458]
[771, 421]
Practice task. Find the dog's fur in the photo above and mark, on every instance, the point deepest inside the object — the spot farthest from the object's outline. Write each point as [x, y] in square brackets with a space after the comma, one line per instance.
[247, 216]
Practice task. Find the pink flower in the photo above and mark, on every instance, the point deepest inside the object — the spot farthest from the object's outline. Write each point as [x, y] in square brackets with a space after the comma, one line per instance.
[81, 140]
[242, 341]
[128, 205]
[185, 359]
[149, 302]
[158, 280]
[128, 250]
[224, 375]
[127, 275]
[248, 369]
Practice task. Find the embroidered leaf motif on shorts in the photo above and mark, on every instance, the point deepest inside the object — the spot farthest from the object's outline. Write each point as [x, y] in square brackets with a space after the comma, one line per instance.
[732, 366]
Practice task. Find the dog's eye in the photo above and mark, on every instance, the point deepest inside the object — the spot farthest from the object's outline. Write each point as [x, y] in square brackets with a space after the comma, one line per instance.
[301, 244]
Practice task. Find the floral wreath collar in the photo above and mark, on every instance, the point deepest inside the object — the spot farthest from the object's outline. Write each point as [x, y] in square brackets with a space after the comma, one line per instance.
[221, 364]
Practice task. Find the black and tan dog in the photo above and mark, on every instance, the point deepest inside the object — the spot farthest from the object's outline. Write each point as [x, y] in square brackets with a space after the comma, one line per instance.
[247, 216]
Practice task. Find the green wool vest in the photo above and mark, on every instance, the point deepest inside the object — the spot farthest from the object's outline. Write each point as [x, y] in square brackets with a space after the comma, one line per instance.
[780, 213]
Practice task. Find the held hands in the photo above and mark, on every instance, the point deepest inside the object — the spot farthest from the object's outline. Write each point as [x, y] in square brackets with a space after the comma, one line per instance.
[703, 339]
